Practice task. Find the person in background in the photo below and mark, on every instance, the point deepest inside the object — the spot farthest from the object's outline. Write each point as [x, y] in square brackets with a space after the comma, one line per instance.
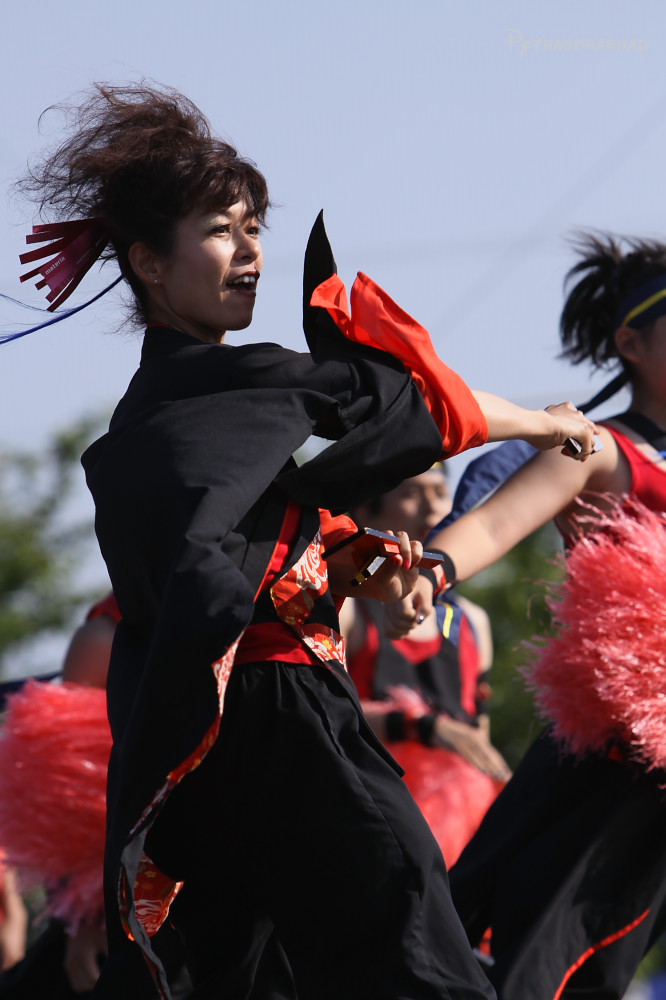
[426, 696]
[65, 960]
[87, 663]
[568, 867]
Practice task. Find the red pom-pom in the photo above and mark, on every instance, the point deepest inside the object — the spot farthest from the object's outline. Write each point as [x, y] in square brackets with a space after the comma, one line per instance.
[54, 752]
[603, 676]
[453, 795]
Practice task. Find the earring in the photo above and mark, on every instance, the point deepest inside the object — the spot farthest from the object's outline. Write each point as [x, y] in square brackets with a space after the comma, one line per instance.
[156, 281]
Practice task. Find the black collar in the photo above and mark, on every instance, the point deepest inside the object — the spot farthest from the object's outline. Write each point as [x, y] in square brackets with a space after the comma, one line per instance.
[164, 340]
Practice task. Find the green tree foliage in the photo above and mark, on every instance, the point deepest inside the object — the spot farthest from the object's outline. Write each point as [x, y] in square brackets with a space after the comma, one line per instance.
[513, 592]
[40, 549]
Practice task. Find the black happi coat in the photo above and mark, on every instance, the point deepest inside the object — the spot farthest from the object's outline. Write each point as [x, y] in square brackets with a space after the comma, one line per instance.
[191, 485]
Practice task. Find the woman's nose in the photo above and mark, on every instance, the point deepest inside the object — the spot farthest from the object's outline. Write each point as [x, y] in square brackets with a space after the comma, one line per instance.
[428, 503]
[248, 247]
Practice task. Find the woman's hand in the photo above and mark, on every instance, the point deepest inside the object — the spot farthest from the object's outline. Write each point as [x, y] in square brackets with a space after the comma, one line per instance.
[563, 422]
[397, 577]
[82, 955]
[393, 581]
[541, 428]
[413, 609]
[473, 745]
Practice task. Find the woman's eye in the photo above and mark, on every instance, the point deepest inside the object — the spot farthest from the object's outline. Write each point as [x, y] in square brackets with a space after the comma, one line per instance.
[223, 227]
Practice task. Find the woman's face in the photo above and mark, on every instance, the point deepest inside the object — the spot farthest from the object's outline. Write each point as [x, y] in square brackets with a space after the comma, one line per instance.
[207, 285]
[645, 350]
[416, 506]
[654, 349]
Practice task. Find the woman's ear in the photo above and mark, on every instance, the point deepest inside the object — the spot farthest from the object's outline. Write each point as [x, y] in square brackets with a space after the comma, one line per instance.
[145, 263]
[629, 344]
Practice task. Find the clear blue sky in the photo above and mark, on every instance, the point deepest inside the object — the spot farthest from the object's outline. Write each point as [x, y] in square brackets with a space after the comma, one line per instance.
[453, 147]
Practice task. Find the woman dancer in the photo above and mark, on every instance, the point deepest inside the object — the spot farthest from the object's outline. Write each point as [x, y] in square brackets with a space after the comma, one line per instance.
[568, 868]
[287, 814]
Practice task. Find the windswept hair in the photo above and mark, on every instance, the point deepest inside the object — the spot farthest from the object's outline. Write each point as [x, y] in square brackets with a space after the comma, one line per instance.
[609, 269]
[139, 158]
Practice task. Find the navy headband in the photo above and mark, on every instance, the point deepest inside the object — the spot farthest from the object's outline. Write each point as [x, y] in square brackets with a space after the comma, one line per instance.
[644, 305]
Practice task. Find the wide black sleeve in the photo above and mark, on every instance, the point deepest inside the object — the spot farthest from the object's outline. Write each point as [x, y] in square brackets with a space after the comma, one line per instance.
[265, 401]
[368, 405]
[337, 393]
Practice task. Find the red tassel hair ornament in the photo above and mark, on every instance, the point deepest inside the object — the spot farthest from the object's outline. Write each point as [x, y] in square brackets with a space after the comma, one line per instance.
[602, 679]
[73, 247]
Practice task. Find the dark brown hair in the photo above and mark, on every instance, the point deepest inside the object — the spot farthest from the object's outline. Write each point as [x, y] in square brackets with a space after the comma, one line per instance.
[610, 268]
[374, 504]
[140, 158]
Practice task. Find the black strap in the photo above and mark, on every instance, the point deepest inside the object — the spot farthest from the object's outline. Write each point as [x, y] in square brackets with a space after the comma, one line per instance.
[647, 429]
[607, 392]
[447, 564]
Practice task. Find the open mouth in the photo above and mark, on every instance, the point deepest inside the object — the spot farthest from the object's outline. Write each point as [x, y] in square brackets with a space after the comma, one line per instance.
[245, 283]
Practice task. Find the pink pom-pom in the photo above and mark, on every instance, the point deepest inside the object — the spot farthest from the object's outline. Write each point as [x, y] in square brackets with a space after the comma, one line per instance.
[54, 752]
[603, 676]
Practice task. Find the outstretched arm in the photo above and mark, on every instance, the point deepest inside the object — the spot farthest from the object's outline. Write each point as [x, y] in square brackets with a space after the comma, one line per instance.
[541, 428]
[545, 488]
[14, 927]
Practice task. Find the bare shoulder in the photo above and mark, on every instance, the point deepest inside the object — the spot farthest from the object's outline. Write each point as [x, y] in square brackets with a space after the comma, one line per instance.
[87, 658]
[609, 470]
[609, 475]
